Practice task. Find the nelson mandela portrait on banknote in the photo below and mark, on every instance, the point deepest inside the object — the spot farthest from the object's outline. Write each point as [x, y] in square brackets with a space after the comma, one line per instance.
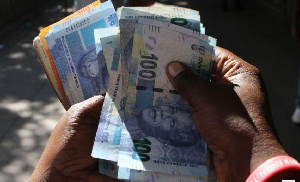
[169, 125]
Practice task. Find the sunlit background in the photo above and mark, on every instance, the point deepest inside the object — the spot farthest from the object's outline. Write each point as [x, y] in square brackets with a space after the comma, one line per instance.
[258, 31]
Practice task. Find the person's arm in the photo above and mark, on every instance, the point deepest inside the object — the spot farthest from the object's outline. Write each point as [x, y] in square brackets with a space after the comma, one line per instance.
[231, 113]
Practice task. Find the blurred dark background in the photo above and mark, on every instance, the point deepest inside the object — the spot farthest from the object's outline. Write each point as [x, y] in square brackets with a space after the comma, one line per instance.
[257, 31]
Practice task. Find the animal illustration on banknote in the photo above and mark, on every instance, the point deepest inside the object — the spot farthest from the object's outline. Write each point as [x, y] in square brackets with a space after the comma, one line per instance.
[96, 71]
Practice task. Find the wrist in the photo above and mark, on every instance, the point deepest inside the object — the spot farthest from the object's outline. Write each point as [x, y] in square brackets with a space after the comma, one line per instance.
[253, 150]
[276, 168]
[265, 146]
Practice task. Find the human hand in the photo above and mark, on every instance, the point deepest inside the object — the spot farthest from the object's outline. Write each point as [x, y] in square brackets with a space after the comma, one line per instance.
[231, 113]
[67, 156]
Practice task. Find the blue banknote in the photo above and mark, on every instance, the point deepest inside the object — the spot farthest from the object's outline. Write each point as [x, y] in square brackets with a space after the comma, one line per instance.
[108, 136]
[107, 48]
[158, 132]
[77, 53]
[111, 169]
[129, 17]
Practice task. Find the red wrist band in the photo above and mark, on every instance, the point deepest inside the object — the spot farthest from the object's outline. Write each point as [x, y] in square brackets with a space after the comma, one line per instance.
[271, 167]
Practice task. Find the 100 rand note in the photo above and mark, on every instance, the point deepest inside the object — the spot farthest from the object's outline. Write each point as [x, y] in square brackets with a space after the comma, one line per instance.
[129, 17]
[159, 134]
[76, 47]
[162, 10]
[180, 16]
[167, 25]
[103, 153]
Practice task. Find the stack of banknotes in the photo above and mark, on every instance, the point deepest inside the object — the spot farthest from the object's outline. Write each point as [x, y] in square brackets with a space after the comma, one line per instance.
[145, 132]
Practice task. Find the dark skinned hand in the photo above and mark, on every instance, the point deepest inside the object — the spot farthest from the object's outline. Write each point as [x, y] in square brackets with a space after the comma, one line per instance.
[67, 156]
[231, 113]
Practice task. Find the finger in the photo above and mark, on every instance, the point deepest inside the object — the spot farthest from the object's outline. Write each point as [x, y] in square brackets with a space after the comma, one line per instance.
[225, 63]
[90, 108]
[187, 84]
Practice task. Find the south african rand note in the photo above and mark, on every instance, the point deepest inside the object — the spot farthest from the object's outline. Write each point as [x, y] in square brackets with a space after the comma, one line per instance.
[49, 63]
[111, 169]
[129, 17]
[158, 13]
[167, 25]
[58, 51]
[76, 47]
[161, 13]
[164, 12]
[178, 10]
[54, 49]
[49, 72]
[105, 40]
[138, 175]
[159, 134]
[107, 140]
[205, 49]
[109, 131]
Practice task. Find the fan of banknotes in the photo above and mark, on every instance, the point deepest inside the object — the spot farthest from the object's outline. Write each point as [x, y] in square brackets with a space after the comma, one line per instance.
[145, 132]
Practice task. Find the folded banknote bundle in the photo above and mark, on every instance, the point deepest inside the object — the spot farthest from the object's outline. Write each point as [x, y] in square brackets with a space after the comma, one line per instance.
[145, 131]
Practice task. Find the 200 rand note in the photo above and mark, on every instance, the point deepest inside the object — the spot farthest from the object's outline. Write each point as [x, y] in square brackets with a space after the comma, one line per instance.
[159, 134]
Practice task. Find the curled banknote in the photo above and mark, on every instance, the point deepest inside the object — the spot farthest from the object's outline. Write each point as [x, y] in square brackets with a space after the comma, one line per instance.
[72, 46]
[111, 169]
[105, 40]
[108, 136]
[158, 132]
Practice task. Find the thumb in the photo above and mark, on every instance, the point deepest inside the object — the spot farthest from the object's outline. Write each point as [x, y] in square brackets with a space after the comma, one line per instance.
[190, 86]
[86, 111]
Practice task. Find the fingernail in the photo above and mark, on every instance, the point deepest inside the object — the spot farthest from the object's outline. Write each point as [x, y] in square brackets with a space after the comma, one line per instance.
[175, 68]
